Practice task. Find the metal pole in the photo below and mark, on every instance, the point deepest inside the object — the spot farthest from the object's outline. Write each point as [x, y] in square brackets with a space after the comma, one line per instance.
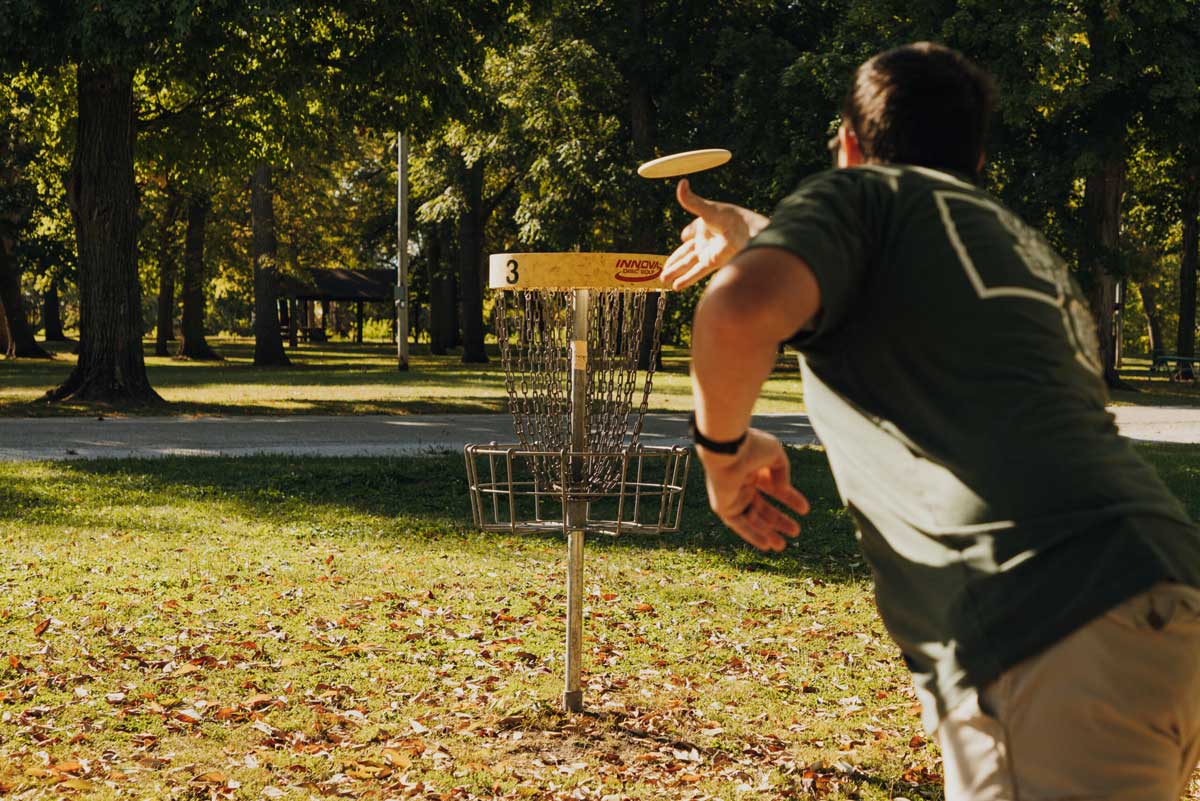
[1119, 316]
[576, 511]
[402, 252]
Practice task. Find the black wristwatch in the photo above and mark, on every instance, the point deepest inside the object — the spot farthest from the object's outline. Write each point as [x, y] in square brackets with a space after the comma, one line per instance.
[728, 447]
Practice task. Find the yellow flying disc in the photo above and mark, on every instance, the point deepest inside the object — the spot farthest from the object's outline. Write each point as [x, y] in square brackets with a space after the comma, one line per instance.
[687, 163]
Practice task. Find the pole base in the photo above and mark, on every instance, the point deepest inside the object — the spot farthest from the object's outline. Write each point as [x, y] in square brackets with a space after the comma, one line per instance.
[573, 701]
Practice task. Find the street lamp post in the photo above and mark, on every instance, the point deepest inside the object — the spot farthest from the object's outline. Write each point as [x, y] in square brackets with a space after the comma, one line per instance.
[402, 252]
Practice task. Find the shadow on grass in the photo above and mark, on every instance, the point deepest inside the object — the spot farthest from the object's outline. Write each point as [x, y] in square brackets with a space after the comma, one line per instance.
[1158, 392]
[1179, 466]
[241, 388]
[425, 498]
[433, 384]
[461, 404]
[19, 503]
[420, 497]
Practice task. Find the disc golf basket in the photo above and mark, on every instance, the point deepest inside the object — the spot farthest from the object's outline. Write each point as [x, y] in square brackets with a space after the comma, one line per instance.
[570, 327]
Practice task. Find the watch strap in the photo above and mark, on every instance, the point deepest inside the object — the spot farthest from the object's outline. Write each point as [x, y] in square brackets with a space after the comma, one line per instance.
[715, 446]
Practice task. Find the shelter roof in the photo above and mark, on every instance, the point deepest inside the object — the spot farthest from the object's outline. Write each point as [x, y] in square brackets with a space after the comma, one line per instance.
[340, 284]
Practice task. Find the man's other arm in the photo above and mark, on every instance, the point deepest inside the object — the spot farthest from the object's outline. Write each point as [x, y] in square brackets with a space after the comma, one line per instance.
[763, 297]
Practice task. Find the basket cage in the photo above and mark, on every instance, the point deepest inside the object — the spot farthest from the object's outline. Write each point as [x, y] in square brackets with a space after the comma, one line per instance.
[509, 493]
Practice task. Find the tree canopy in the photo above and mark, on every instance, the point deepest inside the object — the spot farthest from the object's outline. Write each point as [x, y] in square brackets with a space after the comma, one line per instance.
[239, 143]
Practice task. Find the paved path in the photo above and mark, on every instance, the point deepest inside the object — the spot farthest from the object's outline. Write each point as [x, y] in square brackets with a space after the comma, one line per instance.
[365, 435]
[378, 435]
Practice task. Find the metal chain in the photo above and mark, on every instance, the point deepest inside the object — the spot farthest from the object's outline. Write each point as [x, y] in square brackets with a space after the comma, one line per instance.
[534, 333]
[648, 387]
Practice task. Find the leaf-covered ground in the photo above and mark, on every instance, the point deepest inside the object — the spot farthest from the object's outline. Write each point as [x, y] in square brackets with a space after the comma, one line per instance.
[318, 628]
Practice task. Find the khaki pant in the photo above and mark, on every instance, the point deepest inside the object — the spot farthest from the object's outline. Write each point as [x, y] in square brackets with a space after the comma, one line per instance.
[1111, 712]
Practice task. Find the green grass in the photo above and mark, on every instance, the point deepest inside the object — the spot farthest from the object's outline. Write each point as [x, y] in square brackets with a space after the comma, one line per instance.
[1153, 389]
[189, 628]
[344, 378]
[339, 378]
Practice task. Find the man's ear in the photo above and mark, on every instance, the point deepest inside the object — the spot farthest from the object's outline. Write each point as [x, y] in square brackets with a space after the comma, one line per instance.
[849, 151]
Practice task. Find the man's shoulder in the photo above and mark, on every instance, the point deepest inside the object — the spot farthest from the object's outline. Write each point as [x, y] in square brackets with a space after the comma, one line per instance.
[884, 182]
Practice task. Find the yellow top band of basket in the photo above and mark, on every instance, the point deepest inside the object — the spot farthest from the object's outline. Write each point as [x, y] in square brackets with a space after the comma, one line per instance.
[576, 271]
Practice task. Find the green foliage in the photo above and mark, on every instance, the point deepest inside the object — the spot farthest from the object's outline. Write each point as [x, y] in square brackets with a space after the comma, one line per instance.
[540, 97]
[36, 130]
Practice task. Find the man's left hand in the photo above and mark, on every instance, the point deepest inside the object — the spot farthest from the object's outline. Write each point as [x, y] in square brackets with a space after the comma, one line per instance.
[738, 485]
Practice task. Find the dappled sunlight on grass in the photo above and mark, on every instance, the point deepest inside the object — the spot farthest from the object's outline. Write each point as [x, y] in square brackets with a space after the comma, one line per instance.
[339, 378]
[1153, 388]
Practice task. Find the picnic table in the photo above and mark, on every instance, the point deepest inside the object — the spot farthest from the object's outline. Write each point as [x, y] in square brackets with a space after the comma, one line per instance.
[1164, 362]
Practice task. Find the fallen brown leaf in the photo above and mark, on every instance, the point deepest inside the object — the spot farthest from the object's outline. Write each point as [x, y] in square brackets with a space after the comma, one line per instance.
[397, 759]
[188, 716]
[258, 700]
[76, 784]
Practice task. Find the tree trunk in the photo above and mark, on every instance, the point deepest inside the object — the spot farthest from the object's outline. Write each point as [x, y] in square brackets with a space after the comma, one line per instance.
[1102, 214]
[164, 330]
[103, 199]
[268, 340]
[293, 323]
[1153, 318]
[442, 317]
[1186, 340]
[6, 343]
[52, 314]
[470, 265]
[22, 341]
[453, 320]
[191, 328]
[643, 227]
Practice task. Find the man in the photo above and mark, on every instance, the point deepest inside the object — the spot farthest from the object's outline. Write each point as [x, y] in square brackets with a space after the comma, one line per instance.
[1038, 577]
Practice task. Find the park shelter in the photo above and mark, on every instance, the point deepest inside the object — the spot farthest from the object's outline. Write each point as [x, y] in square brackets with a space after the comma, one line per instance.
[299, 296]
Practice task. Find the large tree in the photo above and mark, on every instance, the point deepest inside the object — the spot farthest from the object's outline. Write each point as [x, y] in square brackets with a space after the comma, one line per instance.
[23, 134]
[1080, 83]
[1189, 257]
[107, 44]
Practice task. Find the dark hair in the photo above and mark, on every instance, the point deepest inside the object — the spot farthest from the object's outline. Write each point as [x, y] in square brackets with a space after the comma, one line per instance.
[922, 104]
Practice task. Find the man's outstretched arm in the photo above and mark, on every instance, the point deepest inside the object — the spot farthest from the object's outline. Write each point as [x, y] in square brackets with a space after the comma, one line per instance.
[763, 297]
[716, 235]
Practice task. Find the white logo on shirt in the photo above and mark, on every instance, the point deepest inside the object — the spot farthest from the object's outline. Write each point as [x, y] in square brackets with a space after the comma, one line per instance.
[1042, 262]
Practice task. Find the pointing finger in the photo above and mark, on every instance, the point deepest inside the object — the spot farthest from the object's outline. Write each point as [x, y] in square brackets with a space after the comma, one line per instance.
[691, 201]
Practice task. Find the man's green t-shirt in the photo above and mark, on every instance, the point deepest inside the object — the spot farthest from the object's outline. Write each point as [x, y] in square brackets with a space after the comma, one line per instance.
[952, 377]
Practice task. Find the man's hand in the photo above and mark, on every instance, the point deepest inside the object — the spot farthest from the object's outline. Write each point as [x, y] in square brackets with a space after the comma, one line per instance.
[719, 231]
[737, 485]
